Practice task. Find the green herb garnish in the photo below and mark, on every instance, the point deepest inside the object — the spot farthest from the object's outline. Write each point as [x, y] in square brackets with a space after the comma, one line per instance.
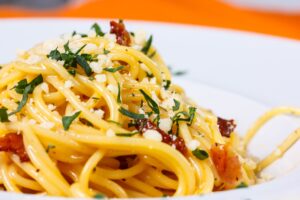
[113, 70]
[151, 103]
[167, 84]
[105, 52]
[73, 59]
[147, 46]
[242, 185]
[176, 106]
[119, 100]
[99, 196]
[188, 117]
[67, 120]
[200, 154]
[127, 134]
[97, 29]
[3, 115]
[131, 114]
[49, 147]
[26, 88]
[72, 72]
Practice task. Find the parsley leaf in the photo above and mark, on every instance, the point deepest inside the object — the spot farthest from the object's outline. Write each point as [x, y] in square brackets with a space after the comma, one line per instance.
[131, 114]
[105, 52]
[176, 106]
[72, 72]
[67, 120]
[113, 70]
[3, 115]
[99, 196]
[189, 117]
[83, 63]
[127, 134]
[167, 84]
[49, 147]
[242, 185]
[97, 29]
[119, 100]
[26, 88]
[151, 103]
[147, 46]
[200, 154]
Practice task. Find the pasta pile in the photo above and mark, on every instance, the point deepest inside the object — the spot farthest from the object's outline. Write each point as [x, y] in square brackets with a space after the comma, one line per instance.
[97, 115]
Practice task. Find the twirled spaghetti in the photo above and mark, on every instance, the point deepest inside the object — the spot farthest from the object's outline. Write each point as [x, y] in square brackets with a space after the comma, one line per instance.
[96, 115]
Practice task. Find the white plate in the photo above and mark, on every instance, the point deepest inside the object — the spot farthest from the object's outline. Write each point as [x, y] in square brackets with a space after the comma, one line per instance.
[255, 66]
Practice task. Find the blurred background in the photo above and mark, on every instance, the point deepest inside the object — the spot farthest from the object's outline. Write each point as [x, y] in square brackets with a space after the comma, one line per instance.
[274, 17]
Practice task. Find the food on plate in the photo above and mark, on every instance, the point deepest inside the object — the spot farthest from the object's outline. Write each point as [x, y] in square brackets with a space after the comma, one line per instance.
[97, 115]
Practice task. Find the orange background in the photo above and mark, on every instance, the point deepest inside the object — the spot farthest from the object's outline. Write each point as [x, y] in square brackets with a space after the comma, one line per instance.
[201, 12]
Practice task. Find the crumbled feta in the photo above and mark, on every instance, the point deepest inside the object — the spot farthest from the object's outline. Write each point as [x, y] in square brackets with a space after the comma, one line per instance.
[68, 84]
[76, 37]
[89, 48]
[47, 125]
[112, 88]
[153, 80]
[92, 33]
[32, 122]
[152, 135]
[13, 118]
[140, 37]
[101, 78]
[111, 45]
[193, 144]
[45, 87]
[99, 113]
[110, 37]
[75, 46]
[110, 133]
[51, 107]
[104, 60]
[33, 59]
[165, 124]
[96, 67]
[168, 103]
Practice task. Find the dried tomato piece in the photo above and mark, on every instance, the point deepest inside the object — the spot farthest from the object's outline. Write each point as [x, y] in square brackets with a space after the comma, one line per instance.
[13, 143]
[227, 164]
[142, 125]
[226, 127]
[122, 35]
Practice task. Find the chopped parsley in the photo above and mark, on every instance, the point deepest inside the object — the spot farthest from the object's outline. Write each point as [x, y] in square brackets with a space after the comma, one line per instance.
[147, 45]
[3, 115]
[113, 70]
[152, 54]
[200, 154]
[99, 196]
[105, 52]
[67, 120]
[242, 185]
[112, 121]
[179, 73]
[131, 114]
[151, 103]
[119, 98]
[127, 134]
[49, 147]
[73, 59]
[26, 88]
[167, 84]
[149, 75]
[176, 106]
[97, 29]
[72, 72]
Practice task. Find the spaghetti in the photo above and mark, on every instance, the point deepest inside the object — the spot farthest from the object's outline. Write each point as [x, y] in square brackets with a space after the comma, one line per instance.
[96, 115]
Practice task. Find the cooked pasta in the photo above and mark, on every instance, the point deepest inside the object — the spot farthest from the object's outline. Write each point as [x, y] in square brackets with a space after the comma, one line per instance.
[97, 115]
